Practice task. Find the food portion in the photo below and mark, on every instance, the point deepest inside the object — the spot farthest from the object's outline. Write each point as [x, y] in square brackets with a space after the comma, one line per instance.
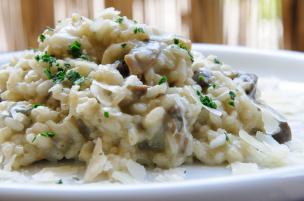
[120, 96]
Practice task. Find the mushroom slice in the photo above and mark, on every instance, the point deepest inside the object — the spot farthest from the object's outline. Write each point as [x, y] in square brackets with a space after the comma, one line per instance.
[284, 134]
[83, 128]
[175, 120]
[140, 59]
[248, 82]
[203, 77]
[138, 89]
[122, 67]
[274, 123]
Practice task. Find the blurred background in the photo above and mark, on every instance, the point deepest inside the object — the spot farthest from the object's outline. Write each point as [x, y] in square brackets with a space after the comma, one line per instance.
[268, 24]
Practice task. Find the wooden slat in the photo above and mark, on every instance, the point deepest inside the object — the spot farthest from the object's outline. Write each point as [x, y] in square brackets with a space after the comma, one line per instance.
[65, 8]
[293, 25]
[125, 6]
[288, 16]
[36, 15]
[300, 25]
[12, 33]
[207, 21]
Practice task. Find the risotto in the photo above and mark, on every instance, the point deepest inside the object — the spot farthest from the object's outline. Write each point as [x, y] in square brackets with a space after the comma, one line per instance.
[120, 96]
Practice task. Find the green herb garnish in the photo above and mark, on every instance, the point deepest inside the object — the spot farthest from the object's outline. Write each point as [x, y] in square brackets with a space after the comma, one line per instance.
[201, 78]
[75, 77]
[59, 181]
[119, 20]
[138, 30]
[37, 58]
[48, 73]
[232, 98]
[67, 65]
[42, 37]
[75, 49]
[206, 100]
[46, 57]
[106, 114]
[162, 80]
[217, 61]
[35, 105]
[48, 134]
[124, 45]
[59, 76]
[181, 45]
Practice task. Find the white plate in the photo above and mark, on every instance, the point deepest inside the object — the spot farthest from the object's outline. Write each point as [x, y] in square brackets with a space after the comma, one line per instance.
[202, 183]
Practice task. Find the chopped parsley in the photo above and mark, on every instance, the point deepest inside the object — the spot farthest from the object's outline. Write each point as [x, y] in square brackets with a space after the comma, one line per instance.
[75, 77]
[201, 78]
[35, 105]
[138, 30]
[48, 134]
[232, 98]
[75, 49]
[42, 37]
[124, 45]
[217, 61]
[59, 181]
[59, 76]
[46, 57]
[106, 114]
[119, 20]
[37, 57]
[67, 65]
[181, 45]
[76, 52]
[63, 73]
[162, 80]
[206, 100]
[175, 41]
[213, 85]
[48, 73]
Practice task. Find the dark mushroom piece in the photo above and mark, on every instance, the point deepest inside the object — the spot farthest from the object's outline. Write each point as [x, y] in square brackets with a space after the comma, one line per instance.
[283, 132]
[138, 90]
[174, 120]
[123, 68]
[174, 125]
[248, 81]
[142, 58]
[157, 143]
[203, 77]
[83, 128]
